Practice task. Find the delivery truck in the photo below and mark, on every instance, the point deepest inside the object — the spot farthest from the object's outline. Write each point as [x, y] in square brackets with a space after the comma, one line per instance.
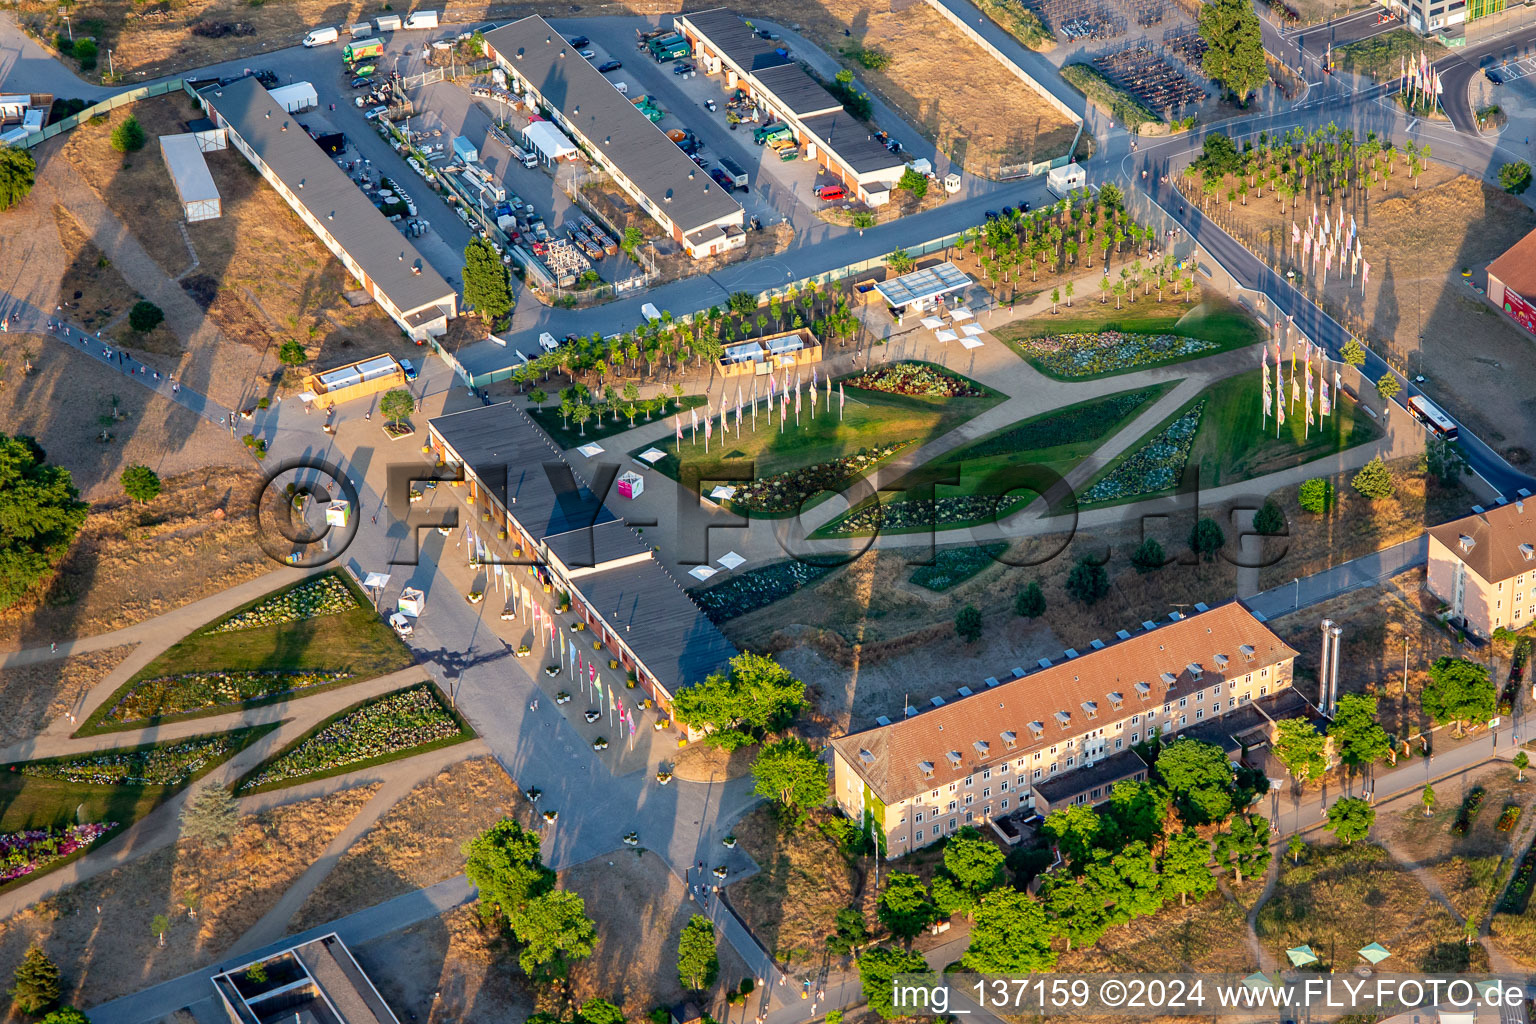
[354, 52]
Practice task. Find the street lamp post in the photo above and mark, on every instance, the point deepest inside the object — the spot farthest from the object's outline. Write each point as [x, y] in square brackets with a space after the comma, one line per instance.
[1296, 601]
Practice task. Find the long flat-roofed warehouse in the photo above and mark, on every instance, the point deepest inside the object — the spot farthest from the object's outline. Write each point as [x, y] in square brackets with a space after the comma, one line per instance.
[646, 164]
[839, 143]
[371, 248]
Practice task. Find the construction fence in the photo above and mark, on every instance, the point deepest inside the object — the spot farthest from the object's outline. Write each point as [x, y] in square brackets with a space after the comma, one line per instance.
[106, 106]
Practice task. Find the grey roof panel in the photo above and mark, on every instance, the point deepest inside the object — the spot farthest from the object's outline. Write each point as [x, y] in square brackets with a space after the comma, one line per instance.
[1112, 769]
[590, 104]
[798, 91]
[331, 198]
[731, 36]
[850, 139]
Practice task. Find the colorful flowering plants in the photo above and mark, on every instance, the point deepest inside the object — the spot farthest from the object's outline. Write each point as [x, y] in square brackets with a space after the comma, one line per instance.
[1155, 466]
[27, 852]
[1088, 355]
[377, 730]
[915, 378]
[158, 764]
[748, 591]
[165, 696]
[785, 492]
[325, 594]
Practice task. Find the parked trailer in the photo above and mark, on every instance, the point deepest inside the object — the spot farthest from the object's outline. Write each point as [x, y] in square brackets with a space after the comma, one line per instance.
[421, 20]
[361, 30]
[387, 22]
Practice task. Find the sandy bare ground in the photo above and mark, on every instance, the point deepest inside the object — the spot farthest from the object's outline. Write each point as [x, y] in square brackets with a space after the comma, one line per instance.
[1418, 309]
[31, 696]
[100, 930]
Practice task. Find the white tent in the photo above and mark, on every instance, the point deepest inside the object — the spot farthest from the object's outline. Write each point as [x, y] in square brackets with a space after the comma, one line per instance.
[590, 449]
[412, 601]
[296, 97]
[549, 141]
[189, 173]
[337, 513]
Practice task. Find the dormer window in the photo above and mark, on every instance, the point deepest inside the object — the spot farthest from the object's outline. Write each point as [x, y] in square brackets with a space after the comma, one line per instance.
[1467, 543]
[1038, 728]
[1090, 708]
[1195, 669]
[981, 748]
[866, 757]
[1143, 690]
[926, 767]
[1010, 739]
[1221, 662]
[1116, 698]
[1063, 719]
[1169, 678]
[954, 758]
[1527, 552]
[1246, 651]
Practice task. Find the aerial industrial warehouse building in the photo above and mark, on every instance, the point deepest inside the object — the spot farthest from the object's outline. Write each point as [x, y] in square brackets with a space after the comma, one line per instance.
[647, 165]
[374, 252]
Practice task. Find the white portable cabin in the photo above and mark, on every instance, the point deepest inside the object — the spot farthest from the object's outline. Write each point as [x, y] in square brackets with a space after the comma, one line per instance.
[387, 22]
[189, 173]
[337, 513]
[296, 97]
[1062, 180]
[421, 19]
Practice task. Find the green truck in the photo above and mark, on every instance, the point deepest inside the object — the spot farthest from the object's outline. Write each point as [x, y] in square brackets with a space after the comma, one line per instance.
[648, 107]
[354, 52]
[671, 47]
[772, 132]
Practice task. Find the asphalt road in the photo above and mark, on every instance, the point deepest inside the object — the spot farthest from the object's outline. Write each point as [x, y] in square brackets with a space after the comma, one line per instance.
[1457, 70]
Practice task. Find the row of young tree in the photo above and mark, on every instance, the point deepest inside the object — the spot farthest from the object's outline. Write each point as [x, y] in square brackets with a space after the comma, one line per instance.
[1327, 164]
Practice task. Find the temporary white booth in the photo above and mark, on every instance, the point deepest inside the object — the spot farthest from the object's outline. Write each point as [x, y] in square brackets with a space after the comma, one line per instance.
[549, 141]
[1062, 180]
[296, 97]
[412, 601]
[189, 173]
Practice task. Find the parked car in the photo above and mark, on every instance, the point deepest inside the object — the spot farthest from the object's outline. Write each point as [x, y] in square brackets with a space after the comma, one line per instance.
[610, 65]
[831, 193]
[410, 371]
[588, 54]
[579, 41]
[991, 215]
[362, 82]
[682, 67]
[1007, 213]
[722, 179]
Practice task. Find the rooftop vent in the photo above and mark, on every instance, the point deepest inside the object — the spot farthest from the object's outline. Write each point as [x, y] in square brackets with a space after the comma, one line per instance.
[1195, 670]
[866, 756]
[1010, 738]
[1143, 690]
[1169, 678]
[1246, 650]
[981, 747]
[1116, 698]
[926, 767]
[1038, 728]
[1091, 707]
[1221, 661]
[1527, 552]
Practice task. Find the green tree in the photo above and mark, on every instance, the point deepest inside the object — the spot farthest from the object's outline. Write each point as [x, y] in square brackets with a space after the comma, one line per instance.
[1269, 519]
[742, 303]
[900, 261]
[1235, 57]
[1010, 934]
[1427, 798]
[85, 52]
[789, 772]
[915, 182]
[631, 240]
[1030, 602]
[128, 137]
[1075, 830]
[974, 862]
[487, 282]
[1078, 908]
[878, 969]
[1186, 866]
[1088, 581]
[554, 930]
[1458, 691]
[1133, 814]
[210, 816]
[1521, 761]
[1350, 818]
[145, 316]
[1198, 778]
[697, 961]
[904, 906]
[1218, 157]
[1148, 556]
[849, 932]
[1315, 496]
[1244, 847]
[1299, 746]
[1374, 481]
[505, 865]
[40, 513]
[1354, 352]
[1206, 538]
[600, 1011]
[1388, 386]
[66, 1015]
[1515, 177]
[292, 353]
[968, 624]
[141, 483]
[35, 985]
[1295, 847]
[1357, 737]
[18, 173]
[756, 696]
[396, 405]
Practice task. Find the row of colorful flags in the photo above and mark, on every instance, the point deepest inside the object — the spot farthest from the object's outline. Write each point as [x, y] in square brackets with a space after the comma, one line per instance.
[1328, 243]
[1301, 389]
[1420, 79]
[774, 395]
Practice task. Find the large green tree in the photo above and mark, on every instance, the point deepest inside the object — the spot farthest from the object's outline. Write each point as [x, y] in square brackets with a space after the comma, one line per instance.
[1357, 737]
[554, 930]
[598, 1010]
[65, 1015]
[697, 960]
[1075, 830]
[789, 772]
[754, 697]
[505, 865]
[487, 285]
[1011, 934]
[210, 817]
[1198, 777]
[973, 861]
[1235, 54]
[1186, 866]
[904, 907]
[35, 985]
[876, 971]
[1244, 846]
[1079, 910]
[396, 405]
[1350, 818]
[18, 172]
[40, 513]
[1458, 691]
[1300, 747]
[141, 483]
[1134, 814]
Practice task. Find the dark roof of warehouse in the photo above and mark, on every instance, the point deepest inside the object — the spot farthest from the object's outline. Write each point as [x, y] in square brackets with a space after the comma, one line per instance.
[330, 196]
[590, 104]
[731, 36]
[798, 91]
[639, 600]
[849, 138]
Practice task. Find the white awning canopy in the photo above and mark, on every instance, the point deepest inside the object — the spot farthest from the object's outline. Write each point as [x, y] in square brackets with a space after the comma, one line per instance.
[549, 141]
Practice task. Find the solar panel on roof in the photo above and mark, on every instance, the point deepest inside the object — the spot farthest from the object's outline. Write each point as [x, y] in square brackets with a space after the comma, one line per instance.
[1097, 645]
[937, 702]
[1201, 606]
[1149, 625]
[911, 711]
[964, 691]
[1122, 634]
[1044, 663]
[1070, 652]
[882, 720]
[1017, 671]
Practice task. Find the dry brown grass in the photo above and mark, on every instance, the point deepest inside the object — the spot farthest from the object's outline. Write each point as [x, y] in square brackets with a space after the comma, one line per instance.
[701, 762]
[1376, 622]
[456, 957]
[31, 696]
[1340, 898]
[1356, 525]
[132, 562]
[98, 932]
[982, 118]
[418, 843]
[1418, 310]
[95, 290]
[1204, 936]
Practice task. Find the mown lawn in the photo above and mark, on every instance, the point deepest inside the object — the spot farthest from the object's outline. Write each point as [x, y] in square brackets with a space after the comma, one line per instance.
[357, 641]
[567, 434]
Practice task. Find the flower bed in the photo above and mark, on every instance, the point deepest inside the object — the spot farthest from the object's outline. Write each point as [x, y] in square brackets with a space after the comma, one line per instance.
[192, 691]
[1519, 891]
[926, 513]
[153, 766]
[786, 491]
[1468, 812]
[756, 588]
[953, 566]
[322, 595]
[916, 379]
[1155, 466]
[1084, 355]
[1509, 818]
[387, 725]
[23, 853]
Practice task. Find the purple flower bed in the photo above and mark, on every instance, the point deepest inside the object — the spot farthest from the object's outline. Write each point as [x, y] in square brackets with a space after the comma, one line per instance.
[22, 853]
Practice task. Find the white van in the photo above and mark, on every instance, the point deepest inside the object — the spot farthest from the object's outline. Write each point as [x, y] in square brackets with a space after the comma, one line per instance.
[421, 19]
[321, 36]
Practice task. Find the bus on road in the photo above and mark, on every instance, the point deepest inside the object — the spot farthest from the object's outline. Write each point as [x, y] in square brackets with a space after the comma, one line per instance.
[1430, 414]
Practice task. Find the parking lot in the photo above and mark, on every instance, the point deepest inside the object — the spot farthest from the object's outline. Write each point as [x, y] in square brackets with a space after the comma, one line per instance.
[1499, 74]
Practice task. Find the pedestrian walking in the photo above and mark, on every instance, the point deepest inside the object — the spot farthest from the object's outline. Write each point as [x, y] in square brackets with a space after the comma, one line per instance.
[53, 648]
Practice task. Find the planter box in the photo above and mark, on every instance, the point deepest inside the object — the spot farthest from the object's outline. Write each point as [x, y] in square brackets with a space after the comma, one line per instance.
[398, 433]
